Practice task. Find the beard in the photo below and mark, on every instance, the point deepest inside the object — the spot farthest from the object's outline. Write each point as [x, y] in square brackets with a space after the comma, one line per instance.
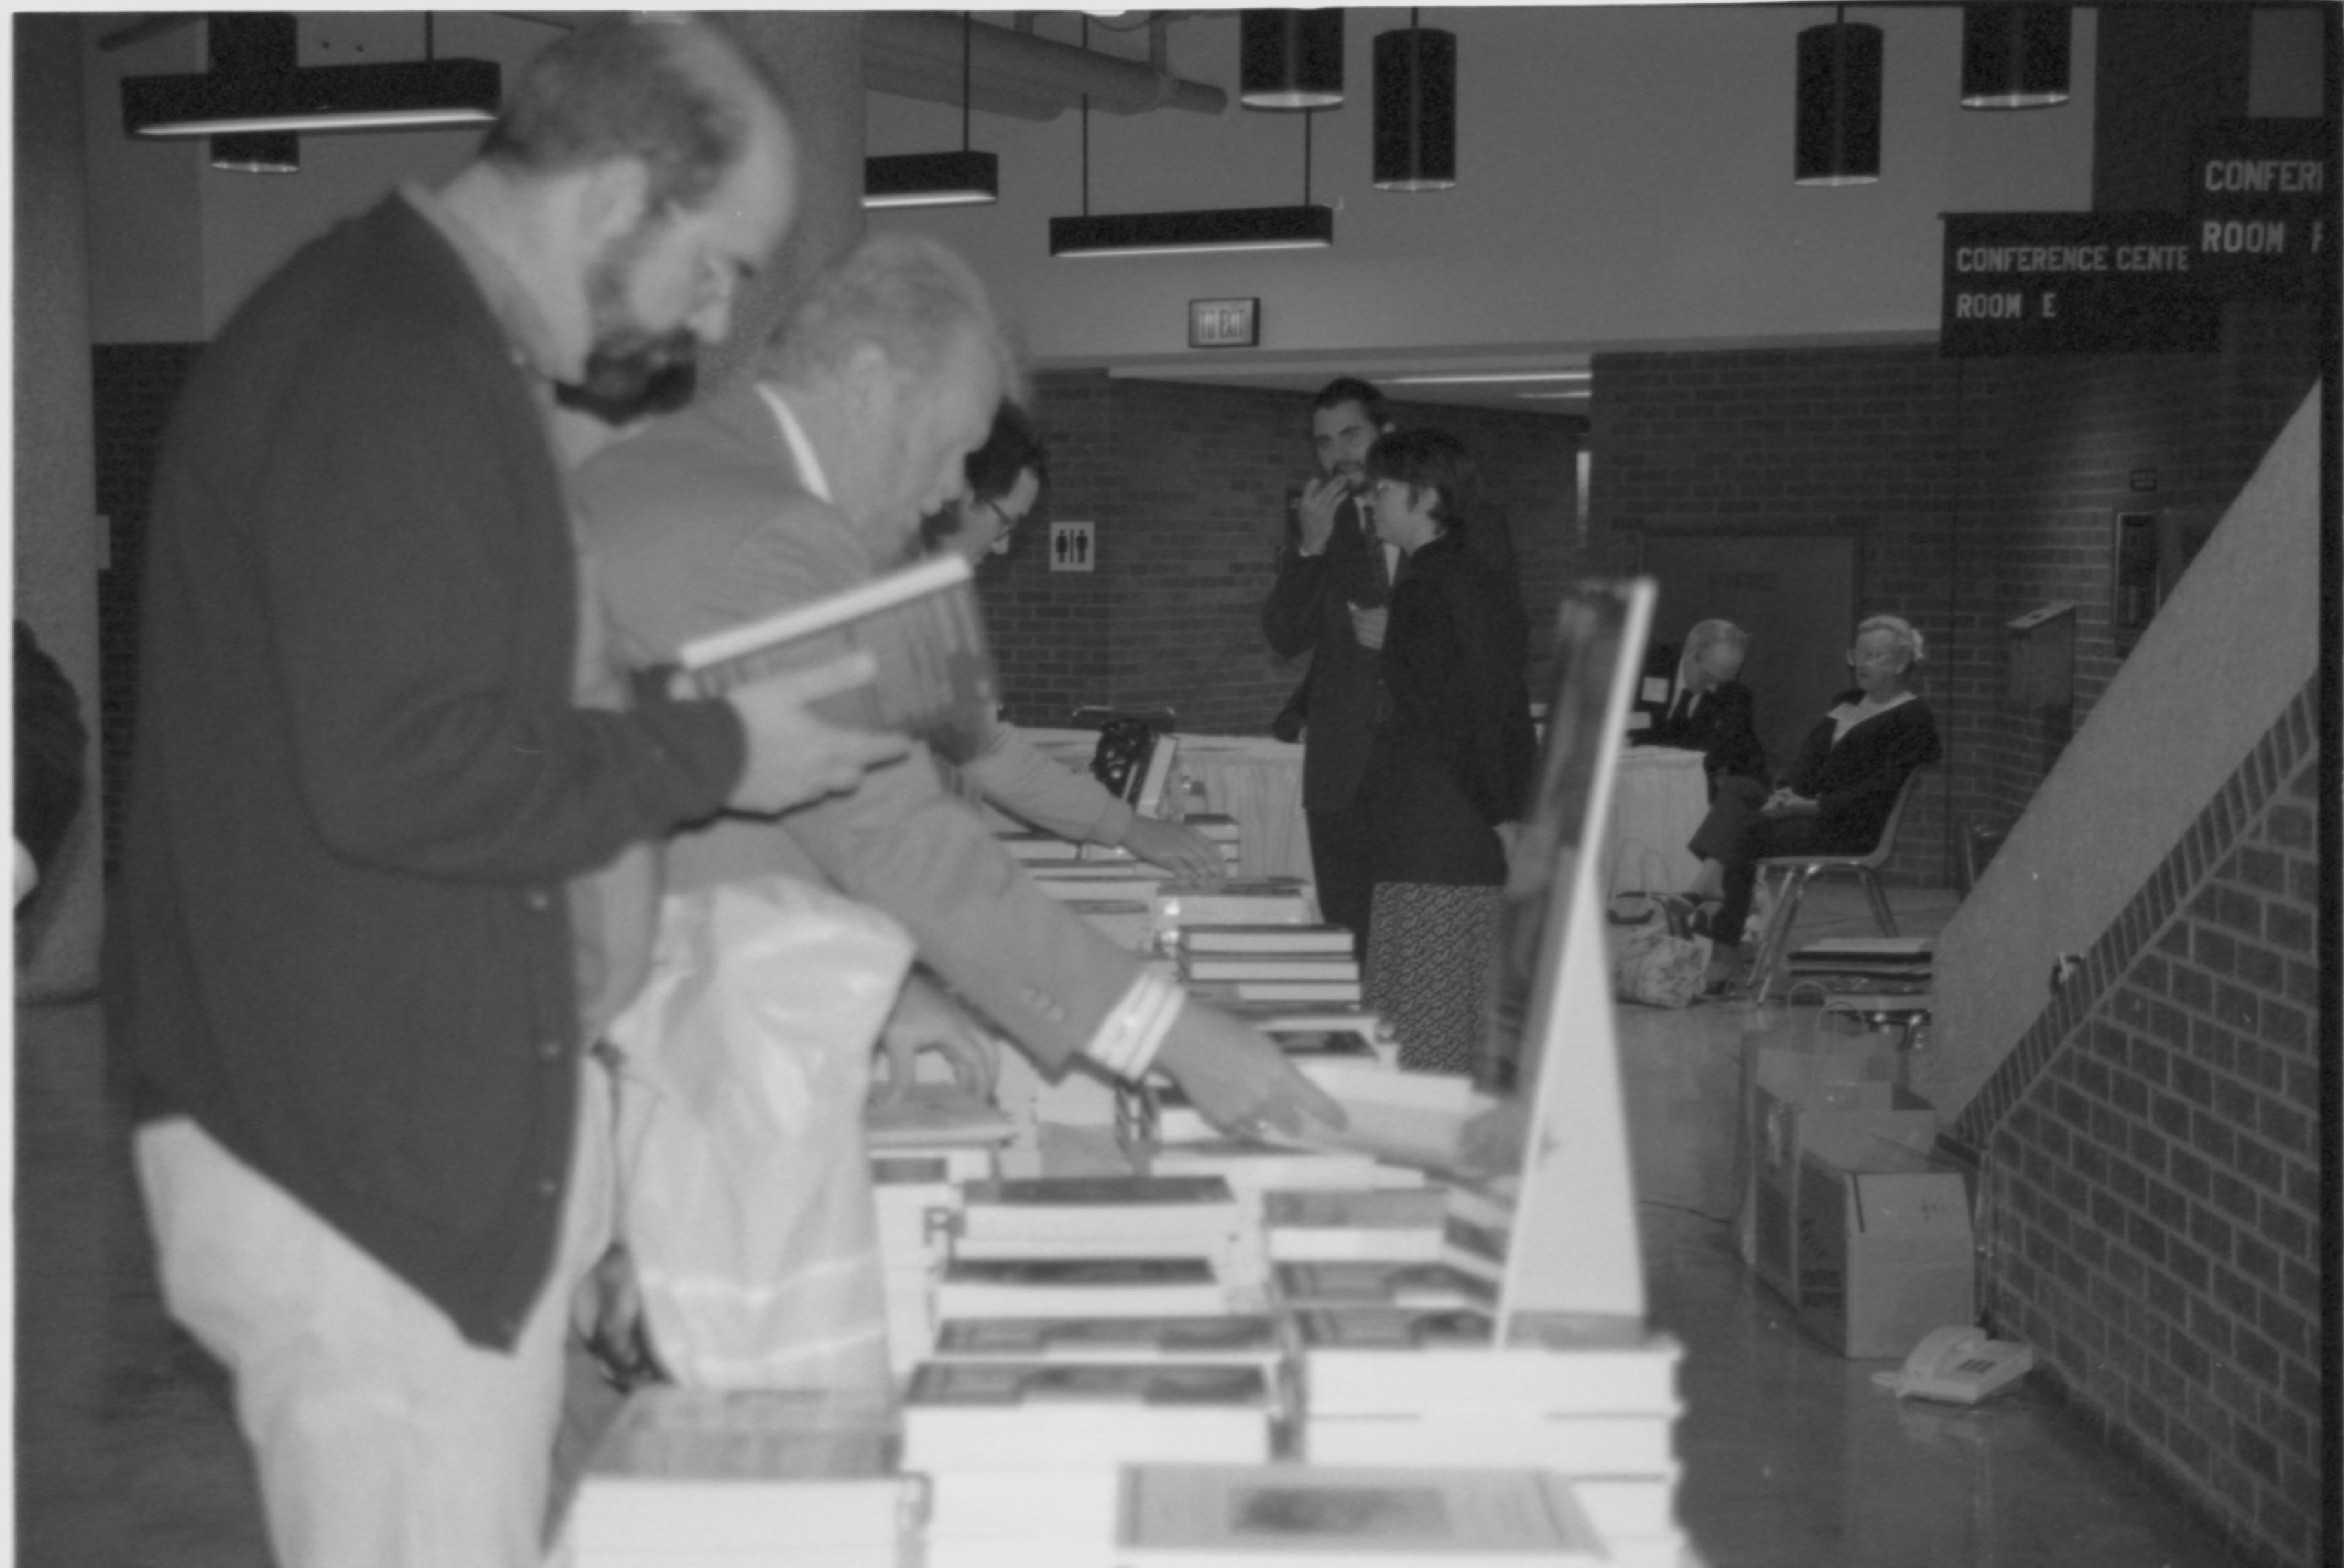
[631, 373]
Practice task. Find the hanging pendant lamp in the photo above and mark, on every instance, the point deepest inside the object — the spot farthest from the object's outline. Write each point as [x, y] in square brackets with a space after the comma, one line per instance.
[250, 42]
[1839, 102]
[2013, 57]
[1415, 108]
[1290, 59]
[965, 179]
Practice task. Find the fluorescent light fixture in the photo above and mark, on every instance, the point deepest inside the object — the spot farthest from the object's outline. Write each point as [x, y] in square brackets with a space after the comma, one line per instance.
[404, 95]
[932, 179]
[1488, 378]
[1186, 233]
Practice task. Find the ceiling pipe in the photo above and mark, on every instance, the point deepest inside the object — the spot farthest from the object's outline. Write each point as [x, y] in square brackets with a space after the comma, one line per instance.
[917, 54]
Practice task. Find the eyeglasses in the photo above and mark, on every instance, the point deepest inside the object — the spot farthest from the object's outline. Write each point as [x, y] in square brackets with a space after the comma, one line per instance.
[1008, 520]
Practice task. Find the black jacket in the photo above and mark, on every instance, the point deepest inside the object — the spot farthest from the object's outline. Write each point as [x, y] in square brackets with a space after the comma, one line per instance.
[1720, 727]
[1307, 613]
[1454, 746]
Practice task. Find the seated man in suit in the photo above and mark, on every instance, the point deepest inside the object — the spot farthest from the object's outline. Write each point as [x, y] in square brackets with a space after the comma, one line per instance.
[806, 480]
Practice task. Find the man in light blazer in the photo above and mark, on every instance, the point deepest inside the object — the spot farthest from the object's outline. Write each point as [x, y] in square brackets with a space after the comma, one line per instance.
[809, 479]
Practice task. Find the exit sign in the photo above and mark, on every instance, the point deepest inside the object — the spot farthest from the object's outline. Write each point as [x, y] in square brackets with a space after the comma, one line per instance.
[1224, 323]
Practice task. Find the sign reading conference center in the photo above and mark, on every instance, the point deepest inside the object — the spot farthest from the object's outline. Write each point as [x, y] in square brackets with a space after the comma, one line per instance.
[2074, 283]
[2260, 197]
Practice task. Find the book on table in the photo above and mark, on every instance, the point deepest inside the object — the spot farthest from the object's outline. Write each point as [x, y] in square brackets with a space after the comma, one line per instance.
[1026, 1415]
[1572, 1445]
[1331, 989]
[1123, 1209]
[1330, 941]
[931, 1116]
[1237, 901]
[1414, 1285]
[1396, 1225]
[1079, 1288]
[710, 1470]
[1129, 884]
[921, 625]
[1225, 1516]
[1249, 1339]
[1252, 1166]
[1210, 968]
[1379, 1361]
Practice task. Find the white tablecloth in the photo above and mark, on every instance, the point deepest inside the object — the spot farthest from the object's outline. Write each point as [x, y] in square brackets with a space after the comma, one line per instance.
[1255, 779]
[1660, 798]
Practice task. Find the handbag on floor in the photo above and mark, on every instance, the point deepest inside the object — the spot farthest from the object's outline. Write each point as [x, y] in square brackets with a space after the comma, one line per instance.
[744, 1190]
[1654, 966]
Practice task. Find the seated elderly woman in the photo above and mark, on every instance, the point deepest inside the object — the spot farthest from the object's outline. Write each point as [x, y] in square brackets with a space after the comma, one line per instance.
[1451, 756]
[1713, 711]
[1005, 481]
[1837, 796]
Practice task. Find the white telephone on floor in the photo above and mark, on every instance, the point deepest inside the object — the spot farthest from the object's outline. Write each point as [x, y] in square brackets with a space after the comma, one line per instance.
[1958, 1364]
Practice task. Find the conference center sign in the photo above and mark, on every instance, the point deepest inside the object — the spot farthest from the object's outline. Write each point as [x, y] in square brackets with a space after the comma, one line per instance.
[2074, 283]
[2261, 205]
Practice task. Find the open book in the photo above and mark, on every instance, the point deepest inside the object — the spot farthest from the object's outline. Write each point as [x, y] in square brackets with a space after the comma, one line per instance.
[921, 625]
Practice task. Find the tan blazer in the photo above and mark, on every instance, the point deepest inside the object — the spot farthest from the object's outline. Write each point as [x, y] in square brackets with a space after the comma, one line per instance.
[701, 522]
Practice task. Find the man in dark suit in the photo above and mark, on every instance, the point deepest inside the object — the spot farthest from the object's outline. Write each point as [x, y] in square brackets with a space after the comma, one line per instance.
[806, 481]
[375, 1154]
[1334, 578]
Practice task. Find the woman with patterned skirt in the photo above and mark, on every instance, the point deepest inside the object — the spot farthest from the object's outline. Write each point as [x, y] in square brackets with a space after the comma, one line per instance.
[1452, 756]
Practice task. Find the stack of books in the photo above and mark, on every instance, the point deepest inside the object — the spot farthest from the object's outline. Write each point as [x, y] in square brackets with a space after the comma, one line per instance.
[961, 1416]
[1391, 1224]
[1082, 1217]
[1318, 977]
[1593, 1399]
[1145, 1287]
[1880, 964]
[1254, 1169]
[801, 1479]
[916, 1201]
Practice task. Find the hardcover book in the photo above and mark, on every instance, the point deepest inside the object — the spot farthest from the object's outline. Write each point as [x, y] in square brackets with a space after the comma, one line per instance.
[1219, 1516]
[1255, 901]
[1394, 1226]
[1361, 1361]
[1238, 1338]
[1416, 1285]
[1079, 1288]
[921, 625]
[1572, 1445]
[704, 1469]
[1218, 966]
[1067, 1415]
[1332, 941]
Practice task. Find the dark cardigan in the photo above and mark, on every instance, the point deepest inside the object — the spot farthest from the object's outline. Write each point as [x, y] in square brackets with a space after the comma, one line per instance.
[1854, 782]
[361, 785]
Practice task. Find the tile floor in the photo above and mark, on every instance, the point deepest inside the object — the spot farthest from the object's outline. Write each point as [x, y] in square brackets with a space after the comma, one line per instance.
[127, 1453]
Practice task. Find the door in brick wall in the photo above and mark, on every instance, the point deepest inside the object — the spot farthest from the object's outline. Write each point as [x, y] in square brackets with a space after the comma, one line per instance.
[1795, 594]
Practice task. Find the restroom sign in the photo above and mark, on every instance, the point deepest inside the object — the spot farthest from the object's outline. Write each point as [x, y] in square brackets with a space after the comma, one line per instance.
[2073, 283]
[2261, 198]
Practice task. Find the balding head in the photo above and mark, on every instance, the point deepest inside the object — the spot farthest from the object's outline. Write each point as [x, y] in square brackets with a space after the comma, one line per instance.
[677, 97]
[895, 355]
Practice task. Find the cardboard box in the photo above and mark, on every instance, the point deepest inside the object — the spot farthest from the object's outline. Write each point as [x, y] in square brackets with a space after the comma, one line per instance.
[1884, 1256]
[1836, 1094]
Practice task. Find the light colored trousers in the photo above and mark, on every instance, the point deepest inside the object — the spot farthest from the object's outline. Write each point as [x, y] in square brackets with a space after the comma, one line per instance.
[383, 1438]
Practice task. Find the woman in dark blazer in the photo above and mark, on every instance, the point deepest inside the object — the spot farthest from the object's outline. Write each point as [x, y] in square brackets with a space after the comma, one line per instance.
[1451, 757]
[1837, 796]
[1713, 711]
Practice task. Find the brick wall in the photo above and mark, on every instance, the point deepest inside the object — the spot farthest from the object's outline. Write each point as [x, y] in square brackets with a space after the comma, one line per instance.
[1981, 489]
[1186, 485]
[133, 388]
[2150, 1207]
